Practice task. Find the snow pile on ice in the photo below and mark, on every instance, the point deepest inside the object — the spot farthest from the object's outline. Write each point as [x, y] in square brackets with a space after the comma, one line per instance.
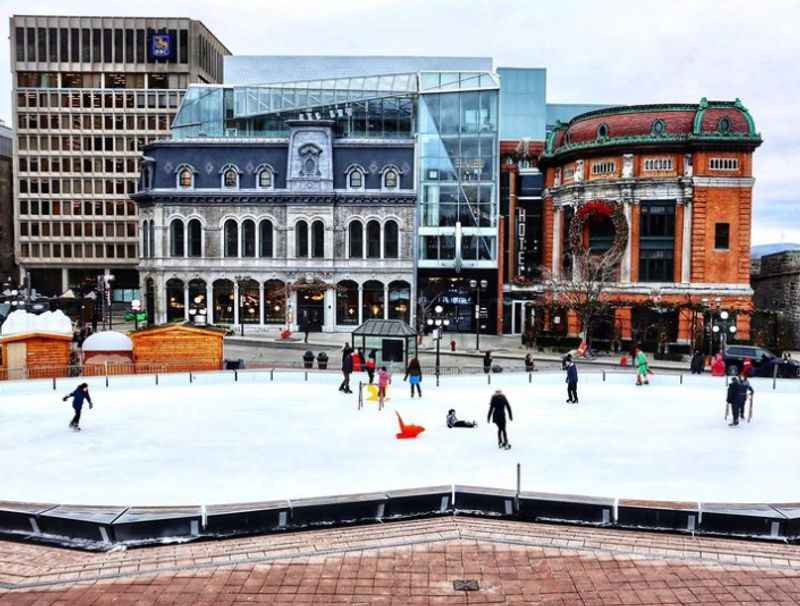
[108, 340]
[216, 440]
[20, 322]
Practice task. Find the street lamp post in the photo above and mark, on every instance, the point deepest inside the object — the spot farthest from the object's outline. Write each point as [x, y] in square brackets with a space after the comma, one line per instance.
[440, 322]
[475, 284]
[724, 326]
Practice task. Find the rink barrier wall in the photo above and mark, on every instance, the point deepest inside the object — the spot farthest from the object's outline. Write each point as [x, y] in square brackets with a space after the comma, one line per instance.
[99, 527]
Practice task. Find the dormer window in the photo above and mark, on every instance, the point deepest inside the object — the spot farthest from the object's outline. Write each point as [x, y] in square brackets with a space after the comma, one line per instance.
[658, 128]
[602, 131]
[185, 177]
[230, 177]
[264, 179]
[355, 178]
[391, 179]
[724, 125]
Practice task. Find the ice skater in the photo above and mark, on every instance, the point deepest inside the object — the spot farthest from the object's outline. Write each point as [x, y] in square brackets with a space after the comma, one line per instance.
[487, 362]
[384, 380]
[642, 368]
[78, 396]
[738, 390]
[347, 368]
[497, 415]
[370, 366]
[572, 381]
[452, 420]
[414, 376]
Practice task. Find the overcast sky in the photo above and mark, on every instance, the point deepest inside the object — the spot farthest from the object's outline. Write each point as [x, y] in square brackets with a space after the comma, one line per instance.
[595, 52]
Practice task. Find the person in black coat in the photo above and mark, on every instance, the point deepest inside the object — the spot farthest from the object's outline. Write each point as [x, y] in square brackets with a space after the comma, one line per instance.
[347, 368]
[738, 391]
[572, 381]
[487, 362]
[497, 415]
[78, 396]
[698, 363]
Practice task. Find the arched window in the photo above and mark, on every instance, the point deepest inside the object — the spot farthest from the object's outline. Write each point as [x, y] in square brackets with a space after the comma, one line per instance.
[230, 178]
[264, 179]
[356, 233]
[372, 300]
[175, 300]
[391, 179]
[399, 300]
[248, 238]
[223, 301]
[145, 239]
[195, 238]
[249, 301]
[265, 239]
[373, 240]
[176, 239]
[274, 302]
[301, 239]
[355, 179]
[391, 241]
[197, 301]
[231, 233]
[152, 239]
[347, 303]
[185, 177]
[318, 239]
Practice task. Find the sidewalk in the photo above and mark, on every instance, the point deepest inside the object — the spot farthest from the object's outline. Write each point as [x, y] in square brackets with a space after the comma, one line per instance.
[502, 348]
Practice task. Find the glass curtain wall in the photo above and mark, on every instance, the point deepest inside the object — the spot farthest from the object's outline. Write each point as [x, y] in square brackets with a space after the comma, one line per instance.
[458, 175]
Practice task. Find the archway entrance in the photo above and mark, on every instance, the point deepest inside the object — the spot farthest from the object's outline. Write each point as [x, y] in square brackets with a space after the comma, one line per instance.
[311, 309]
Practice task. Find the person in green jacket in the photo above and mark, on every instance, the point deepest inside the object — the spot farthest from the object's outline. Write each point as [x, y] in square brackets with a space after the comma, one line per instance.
[642, 369]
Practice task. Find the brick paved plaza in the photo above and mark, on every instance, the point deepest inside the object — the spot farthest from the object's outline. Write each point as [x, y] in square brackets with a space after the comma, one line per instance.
[412, 563]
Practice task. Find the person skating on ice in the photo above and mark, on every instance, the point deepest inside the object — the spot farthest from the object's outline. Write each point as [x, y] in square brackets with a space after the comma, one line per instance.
[572, 381]
[347, 368]
[642, 369]
[78, 396]
[370, 366]
[414, 376]
[497, 415]
[384, 380]
[741, 388]
[487, 362]
[452, 420]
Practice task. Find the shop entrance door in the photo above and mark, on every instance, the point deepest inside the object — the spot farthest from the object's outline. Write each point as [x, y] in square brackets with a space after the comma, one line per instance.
[522, 317]
[311, 309]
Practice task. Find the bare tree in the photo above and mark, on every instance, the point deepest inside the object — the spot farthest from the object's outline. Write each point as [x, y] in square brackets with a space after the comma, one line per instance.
[587, 290]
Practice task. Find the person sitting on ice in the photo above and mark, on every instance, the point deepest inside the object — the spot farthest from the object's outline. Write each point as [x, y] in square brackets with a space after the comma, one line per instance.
[78, 396]
[452, 420]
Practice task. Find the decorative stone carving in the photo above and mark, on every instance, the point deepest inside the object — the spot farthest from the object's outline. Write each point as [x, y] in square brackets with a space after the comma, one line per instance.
[310, 158]
[627, 166]
[557, 177]
[209, 168]
[578, 177]
[687, 165]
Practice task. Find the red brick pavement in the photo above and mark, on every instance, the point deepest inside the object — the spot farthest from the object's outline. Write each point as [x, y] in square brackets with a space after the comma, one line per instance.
[412, 563]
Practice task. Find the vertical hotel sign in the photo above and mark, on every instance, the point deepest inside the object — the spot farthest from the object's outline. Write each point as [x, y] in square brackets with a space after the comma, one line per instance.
[161, 45]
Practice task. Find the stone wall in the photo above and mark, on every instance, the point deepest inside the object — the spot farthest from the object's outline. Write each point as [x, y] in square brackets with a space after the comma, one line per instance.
[777, 288]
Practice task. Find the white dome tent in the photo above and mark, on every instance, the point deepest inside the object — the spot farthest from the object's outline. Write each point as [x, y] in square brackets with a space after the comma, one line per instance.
[107, 347]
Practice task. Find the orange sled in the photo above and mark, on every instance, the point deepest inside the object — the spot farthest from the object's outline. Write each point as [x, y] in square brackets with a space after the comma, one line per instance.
[408, 431]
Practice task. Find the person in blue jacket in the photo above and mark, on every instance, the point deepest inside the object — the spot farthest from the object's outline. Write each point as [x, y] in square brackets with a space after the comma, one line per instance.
[572, 381]
[78, 396]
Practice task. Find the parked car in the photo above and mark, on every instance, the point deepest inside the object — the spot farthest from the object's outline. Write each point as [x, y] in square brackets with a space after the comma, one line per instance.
[763, 361]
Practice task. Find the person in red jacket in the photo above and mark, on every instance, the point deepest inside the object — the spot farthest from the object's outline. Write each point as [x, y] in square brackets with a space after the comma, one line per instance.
[356, 355]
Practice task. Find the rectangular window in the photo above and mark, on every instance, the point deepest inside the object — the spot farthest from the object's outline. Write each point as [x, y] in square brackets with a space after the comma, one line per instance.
[603, 168]
[19, 43]
[75, 45]
[41, 44]
[108, 56]
[140, 45]
[129, 46]
[53, 45]
[183, 46]
[86, 45]
[118, 46]
[97, 45]
[656, 241]
[727, 164]
[63, 44]
[722, 236]
[657, 165]
[30, 34]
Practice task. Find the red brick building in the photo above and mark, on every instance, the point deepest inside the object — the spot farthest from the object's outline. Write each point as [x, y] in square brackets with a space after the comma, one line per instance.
[678, 179]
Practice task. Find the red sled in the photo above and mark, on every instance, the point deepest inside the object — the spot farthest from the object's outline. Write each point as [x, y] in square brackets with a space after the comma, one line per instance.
[408, 432]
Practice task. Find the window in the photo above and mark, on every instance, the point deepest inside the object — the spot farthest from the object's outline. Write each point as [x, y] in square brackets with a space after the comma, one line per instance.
[603, 168]
[265, 239]
[249, 238]
[356, 246]
[231, 234]
[145, 237]
[355, 179]
[731, 164]
[195, 238]
[301, 239]
[657, 164]
[185, 178]
[347, 303]
[265, 178]
[656, 241]
[602, 131]
[176, 240]
[230, 178]
[722, 233]
[391, 240]
[724, 125]
[390, 179]
[658, 128]
[373, 240]
[318, 239]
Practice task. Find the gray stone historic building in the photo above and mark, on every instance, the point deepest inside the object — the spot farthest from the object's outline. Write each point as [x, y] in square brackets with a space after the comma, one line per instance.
[776, 289]
[303, 231]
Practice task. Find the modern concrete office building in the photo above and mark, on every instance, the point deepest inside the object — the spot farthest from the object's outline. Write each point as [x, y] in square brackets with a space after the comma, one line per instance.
[87, 94]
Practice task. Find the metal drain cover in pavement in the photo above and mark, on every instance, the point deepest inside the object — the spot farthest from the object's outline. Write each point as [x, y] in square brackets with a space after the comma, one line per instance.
[466, 585]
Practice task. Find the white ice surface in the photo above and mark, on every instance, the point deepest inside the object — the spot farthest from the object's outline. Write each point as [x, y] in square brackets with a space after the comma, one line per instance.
[216, 441]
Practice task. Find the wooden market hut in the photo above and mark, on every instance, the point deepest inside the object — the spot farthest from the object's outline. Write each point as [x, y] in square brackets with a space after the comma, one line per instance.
[177, 347]
[35, 355]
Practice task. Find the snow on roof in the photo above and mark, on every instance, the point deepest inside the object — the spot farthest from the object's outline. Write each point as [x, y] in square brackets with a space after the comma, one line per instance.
[20, 322]
[109, 340]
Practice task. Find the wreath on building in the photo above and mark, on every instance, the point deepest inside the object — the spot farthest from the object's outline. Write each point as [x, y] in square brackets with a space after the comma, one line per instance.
[595, 211]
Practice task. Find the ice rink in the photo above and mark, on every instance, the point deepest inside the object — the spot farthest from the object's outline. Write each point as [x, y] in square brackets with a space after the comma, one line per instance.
[216, 441]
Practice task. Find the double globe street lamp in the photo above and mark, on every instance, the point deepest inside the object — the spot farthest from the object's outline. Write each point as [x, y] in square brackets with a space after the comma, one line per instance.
[724, 326]
[440, 322]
